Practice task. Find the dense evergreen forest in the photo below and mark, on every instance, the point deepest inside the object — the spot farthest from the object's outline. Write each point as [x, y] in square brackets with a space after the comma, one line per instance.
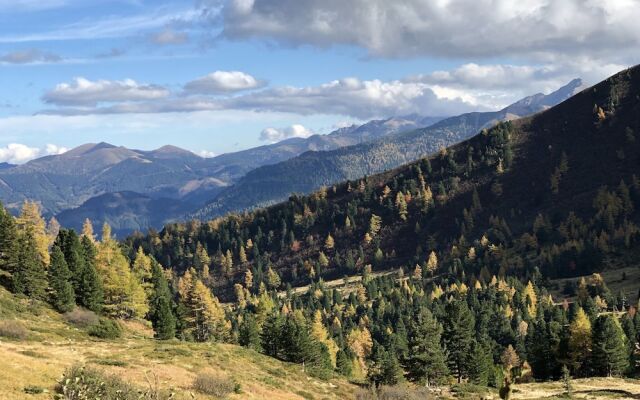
[475, 234]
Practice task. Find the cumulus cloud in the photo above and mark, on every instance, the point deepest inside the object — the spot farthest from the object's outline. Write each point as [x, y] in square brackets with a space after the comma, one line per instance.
[468, 87]
[350, 97]
[29, 56]
[83, 92]
[169, 36]
[277, 134]
[222, 82]
[17, 153]
[206, 154]
[52, 149]
[452, 28]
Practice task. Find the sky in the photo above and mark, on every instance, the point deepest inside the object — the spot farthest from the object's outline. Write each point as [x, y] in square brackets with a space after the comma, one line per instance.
[216, 76]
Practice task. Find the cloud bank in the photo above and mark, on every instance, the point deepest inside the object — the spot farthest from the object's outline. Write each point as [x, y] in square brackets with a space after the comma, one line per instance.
[17, 153]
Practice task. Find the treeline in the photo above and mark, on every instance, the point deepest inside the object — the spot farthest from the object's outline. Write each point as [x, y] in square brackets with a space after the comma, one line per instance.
[396, 328]
[420, 326]
[49, 263]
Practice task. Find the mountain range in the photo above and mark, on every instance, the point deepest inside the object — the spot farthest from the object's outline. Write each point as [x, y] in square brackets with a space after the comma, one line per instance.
[302, 174]
[135, 189]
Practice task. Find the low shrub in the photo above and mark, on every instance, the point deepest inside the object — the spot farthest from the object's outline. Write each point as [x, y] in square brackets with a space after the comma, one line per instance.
[215, 385]
[13, 330]
[399, 392]
[31, 389]
[106, 329]
[81, 383]
[81, 317]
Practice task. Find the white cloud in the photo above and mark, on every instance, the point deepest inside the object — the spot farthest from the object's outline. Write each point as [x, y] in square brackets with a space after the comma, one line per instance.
[447, 28]
[206, 154]
[29, 56]
[223, 81]
[468, 87]
[83, 92]
[52, 149]
[348, 97]
[169, 36]
[17, 153]
[277, 134]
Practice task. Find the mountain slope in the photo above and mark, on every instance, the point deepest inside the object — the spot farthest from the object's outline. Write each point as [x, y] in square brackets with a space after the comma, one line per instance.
[52, 343]
[311, 170]
[68, 182]
[540, 194]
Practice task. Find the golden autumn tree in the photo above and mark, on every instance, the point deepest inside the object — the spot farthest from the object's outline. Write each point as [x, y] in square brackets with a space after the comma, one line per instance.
[87, 230]
[30, 219]
[205, 320]
[320, 333]
[580, 340]
[432, 263]
[124, 296]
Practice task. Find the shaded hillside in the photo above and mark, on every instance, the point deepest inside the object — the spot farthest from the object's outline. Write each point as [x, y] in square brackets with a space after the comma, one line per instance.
[544, 191]
[125, 212]
[311, 170]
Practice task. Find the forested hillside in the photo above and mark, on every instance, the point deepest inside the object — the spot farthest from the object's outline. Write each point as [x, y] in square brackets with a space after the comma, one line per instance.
[477, 235]
[311, 170]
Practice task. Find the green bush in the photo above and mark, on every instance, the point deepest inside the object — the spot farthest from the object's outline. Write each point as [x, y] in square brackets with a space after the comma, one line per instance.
[106, 329]
[80, 383]
[33, 389]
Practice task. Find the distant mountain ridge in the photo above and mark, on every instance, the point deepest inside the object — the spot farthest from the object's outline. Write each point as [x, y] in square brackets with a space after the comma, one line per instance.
[137, 189]
[309, 171]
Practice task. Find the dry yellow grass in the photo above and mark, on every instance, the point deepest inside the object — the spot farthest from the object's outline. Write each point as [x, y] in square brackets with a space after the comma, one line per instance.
[588, 388]
[53, 345]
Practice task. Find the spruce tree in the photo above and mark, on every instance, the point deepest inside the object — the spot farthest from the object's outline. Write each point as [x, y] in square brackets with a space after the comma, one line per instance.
[249, 333]
[270, 335]
[161, 305]
[457, 336]
[29, 277]
[481, 364]
[426, 362]
[62, 295]
[8, 245]
[90, 294]
[609, 348]
[344, 364]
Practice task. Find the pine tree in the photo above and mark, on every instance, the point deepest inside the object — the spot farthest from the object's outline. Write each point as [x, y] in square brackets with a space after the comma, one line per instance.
[426, 362]
[62, 294]
[609, 347]
[480, 365]
[458, 333]
[8, 243]
[90, 293]
[344, 364]
[70, 245]
[161, 307]
[270, 335]
[249, 333]
[29, 276]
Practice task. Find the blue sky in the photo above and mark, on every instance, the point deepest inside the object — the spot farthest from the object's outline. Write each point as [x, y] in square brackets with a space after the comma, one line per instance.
[211, 75]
